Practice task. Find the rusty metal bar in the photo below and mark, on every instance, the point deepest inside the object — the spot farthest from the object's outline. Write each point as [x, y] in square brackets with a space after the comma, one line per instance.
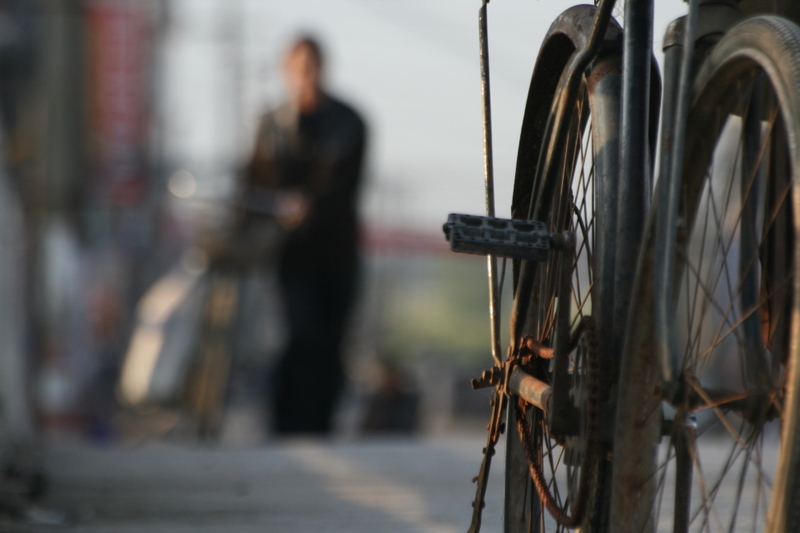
[530, 389]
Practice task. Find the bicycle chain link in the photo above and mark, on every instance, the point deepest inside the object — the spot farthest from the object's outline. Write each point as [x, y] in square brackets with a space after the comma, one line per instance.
[587, 327]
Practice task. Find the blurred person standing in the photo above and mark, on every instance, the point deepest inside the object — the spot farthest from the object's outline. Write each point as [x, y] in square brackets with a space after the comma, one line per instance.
[308, 159]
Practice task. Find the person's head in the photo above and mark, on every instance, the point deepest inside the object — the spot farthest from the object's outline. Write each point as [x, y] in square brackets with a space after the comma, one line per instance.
[302, 70]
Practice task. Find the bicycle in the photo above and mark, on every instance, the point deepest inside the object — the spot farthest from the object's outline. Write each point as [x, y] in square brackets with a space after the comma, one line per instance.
[634, 325]
[255, 241]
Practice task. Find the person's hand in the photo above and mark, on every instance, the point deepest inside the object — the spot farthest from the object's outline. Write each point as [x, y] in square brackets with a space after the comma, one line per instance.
[292, 209]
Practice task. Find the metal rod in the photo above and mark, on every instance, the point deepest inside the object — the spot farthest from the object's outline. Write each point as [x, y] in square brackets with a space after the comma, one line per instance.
[562, 419]
[635, 168]
[488, 170]
[488, 162]
[530, 389]
[499, 402]
[666, 231]
[751, 184]
[684, 442]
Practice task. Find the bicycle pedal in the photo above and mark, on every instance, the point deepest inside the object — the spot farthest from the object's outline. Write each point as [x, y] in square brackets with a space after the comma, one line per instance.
[517, 239]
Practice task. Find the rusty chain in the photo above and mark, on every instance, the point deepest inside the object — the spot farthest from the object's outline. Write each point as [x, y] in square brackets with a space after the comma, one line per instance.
[586, 331]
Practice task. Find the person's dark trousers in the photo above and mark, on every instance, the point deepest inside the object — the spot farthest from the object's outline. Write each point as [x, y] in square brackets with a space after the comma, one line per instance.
[309, 377]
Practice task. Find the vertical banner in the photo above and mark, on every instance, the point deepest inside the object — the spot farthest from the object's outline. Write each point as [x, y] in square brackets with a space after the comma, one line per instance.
[118, 87]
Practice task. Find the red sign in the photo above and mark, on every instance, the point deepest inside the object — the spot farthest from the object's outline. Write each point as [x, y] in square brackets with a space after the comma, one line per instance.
[118, 88]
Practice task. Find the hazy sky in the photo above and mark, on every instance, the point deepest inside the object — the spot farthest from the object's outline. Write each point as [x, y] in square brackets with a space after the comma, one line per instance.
[410, 66]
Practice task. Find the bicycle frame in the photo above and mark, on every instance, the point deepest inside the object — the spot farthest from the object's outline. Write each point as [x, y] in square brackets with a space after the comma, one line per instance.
[634, 150]
[666, 227]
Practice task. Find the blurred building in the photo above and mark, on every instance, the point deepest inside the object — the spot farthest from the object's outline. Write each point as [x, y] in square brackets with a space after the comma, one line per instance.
[79, 189]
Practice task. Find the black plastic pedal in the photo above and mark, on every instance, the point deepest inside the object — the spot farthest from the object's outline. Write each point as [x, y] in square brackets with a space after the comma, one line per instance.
[517, 239]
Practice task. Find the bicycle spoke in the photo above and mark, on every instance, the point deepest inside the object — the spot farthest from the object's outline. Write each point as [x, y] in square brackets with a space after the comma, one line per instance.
[569, 206]
[745, 315]
[725, 247]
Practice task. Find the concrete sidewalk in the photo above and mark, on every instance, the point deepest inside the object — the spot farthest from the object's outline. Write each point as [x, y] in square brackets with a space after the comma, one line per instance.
[289, 486]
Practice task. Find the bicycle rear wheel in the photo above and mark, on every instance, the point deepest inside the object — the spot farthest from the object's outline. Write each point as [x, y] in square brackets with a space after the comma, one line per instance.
[572, 194]
[731, 460]
[208, 386]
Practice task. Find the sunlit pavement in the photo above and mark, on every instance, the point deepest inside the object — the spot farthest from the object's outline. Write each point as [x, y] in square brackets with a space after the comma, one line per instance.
[380, 485]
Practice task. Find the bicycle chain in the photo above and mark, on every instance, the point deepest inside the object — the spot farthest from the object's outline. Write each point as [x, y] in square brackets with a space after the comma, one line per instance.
[589, 460]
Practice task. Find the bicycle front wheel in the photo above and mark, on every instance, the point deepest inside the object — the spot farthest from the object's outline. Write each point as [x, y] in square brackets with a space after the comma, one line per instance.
[730, 463]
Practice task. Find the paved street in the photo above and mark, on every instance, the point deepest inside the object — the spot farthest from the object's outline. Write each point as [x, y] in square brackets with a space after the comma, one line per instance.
[297, 486]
